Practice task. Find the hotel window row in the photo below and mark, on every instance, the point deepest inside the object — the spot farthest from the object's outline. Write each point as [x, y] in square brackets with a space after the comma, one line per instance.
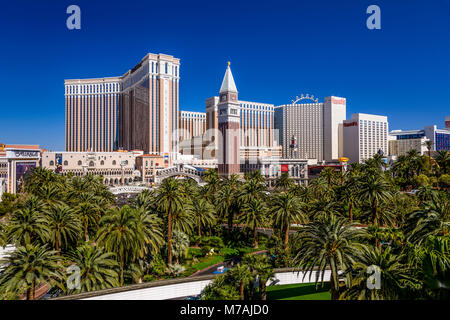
[93, 88]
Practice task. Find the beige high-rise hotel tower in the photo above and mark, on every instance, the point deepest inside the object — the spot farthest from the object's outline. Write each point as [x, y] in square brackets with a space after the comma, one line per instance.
[137, 111]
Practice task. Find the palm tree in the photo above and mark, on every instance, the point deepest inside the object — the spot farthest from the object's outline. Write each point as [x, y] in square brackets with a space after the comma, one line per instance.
[375, 190]
[320, 189]
[27, 226]
[283, 183]
[252, 189]
[432, 219]
[443, 160]
[349, 195]
[64, 226]
[170, 201]
[97, 268]
[285, 210]
[118, 233]
[323, 207]
[262, 269]
[429, 144]
[254, 175]
[149, 229]
[89, 214]
[433, 260]
[242, 275]
[182, 220]
[253, 216]
[41, 177]
[328, 243]
[227, 203]
[50, 194]
[203, 213]
[29, 266]
[328, 174]
[180, 245]
[145, 200]
[212, 186]
[2, 235]
[392, 275]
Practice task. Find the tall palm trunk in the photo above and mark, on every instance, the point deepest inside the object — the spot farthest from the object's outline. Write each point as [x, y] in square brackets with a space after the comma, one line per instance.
[286, 236]
[334, 292]
[262, 289]
[350, 211]
[121, 267]
[169, 236]
[230, 220]
[199, 231]
[57, 244]
[242, 290]
[255, 237]
[86, 235]
[374, 212]
[375, 220]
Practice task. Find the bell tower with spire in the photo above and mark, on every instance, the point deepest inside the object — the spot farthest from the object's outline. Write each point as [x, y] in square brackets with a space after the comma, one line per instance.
[229, 126]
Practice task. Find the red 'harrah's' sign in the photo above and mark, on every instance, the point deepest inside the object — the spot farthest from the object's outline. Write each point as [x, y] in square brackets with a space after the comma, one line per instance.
[447, 124]
[337, 101]
[351, 124]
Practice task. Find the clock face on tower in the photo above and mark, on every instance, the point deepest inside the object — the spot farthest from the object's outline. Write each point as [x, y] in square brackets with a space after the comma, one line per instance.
[223, 97]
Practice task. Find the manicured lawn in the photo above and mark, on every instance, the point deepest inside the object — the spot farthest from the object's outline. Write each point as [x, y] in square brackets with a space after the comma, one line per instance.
[303, 291]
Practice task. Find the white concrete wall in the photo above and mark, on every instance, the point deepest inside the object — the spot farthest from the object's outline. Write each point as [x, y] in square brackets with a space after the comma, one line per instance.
[194, 288]
[297, 277]
[158, 293]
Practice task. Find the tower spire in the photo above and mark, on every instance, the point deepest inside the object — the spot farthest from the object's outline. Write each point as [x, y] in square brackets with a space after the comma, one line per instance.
[228, 84]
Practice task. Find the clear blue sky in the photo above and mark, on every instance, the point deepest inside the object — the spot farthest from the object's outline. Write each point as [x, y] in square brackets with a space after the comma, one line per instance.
[278, 49]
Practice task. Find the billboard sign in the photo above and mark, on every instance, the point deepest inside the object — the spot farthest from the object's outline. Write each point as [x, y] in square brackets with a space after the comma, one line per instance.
[284, 168]
[22, 168]
[351, 124]
[58, 159]
[22, 154]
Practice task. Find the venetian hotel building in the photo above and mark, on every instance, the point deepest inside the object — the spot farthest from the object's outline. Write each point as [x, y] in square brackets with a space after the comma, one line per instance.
[92, 107]
[136, 111]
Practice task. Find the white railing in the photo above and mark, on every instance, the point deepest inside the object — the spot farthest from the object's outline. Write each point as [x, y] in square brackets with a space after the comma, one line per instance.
[128, 189]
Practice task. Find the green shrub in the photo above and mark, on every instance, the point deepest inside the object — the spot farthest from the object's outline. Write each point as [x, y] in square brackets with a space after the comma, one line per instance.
[215, 242]
[195, 253]
[422, 180]
[194, 240]
[148, 278]
[206, 250]
[158, 266]
[229, 253]
[444, 181]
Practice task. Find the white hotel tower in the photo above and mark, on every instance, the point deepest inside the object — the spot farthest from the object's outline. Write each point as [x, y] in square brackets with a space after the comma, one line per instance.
[316, 125]
[364, 136]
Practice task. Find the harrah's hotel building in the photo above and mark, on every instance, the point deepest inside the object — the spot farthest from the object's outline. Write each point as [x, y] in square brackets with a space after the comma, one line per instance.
[137, 111]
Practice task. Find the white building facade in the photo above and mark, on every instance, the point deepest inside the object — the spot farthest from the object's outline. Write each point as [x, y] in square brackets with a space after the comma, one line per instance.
[117, 168]
[401, 142]
[365, 135]
[316, 126]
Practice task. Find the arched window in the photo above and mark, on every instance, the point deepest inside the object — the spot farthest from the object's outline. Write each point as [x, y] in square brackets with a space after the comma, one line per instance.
[102, 163]
[66, 163]
[91, 163]
[114, 162]
[52, 163]
[79, 162]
